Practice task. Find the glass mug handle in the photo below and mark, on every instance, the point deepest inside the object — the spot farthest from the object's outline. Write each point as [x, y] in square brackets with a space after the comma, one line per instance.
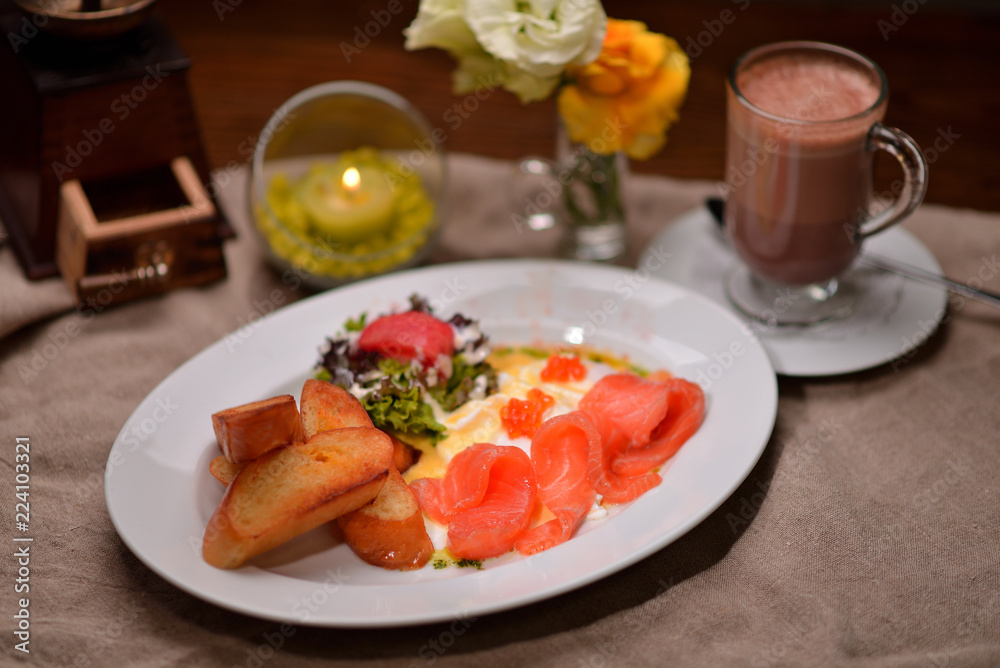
[901, 146]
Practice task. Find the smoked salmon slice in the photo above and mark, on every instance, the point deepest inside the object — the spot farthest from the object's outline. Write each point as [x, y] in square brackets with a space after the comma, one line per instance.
[463, 486]
[564, 452]
[685, 412]
[430, 498]
[626, 409]
[626, 425]
[486, 498]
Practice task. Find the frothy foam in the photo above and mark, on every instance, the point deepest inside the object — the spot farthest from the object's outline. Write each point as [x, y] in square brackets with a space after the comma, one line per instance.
[807, 88]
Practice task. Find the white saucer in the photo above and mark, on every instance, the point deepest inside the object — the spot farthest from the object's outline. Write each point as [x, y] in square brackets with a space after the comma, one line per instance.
[895, 316]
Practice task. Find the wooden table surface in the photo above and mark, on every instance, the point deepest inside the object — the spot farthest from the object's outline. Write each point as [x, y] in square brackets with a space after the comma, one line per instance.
[943, 67]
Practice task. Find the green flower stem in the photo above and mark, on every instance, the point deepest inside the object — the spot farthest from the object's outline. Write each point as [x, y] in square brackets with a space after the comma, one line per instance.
[593, 194]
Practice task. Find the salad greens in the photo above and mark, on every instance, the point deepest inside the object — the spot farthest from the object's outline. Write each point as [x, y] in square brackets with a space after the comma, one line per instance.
[462, 384]
[402, 409]
[399, 396]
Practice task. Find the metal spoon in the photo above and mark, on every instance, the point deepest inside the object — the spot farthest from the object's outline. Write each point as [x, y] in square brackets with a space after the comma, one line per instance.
[716, 207]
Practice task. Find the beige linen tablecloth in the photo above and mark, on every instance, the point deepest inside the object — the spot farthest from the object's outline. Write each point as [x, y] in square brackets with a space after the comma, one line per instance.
[868, 534]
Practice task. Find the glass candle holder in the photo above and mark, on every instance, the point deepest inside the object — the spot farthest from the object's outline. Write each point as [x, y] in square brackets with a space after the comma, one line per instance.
[347, 181]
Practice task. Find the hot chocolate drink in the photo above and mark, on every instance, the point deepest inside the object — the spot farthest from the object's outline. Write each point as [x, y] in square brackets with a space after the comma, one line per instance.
[798, 165]
[804, 121]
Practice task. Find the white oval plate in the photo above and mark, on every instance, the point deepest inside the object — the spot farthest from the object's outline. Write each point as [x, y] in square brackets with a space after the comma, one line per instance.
[894, 315]
[160, 494]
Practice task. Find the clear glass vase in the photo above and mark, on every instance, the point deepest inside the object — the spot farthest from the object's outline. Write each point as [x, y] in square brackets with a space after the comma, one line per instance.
[593, 201]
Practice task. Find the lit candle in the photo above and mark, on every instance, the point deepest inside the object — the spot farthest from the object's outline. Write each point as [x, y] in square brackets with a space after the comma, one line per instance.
[362, 205]
[351, 180]
[351, 205]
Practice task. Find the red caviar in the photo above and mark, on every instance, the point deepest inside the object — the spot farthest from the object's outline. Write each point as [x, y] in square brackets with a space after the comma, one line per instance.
[524, 417]
[562, 369]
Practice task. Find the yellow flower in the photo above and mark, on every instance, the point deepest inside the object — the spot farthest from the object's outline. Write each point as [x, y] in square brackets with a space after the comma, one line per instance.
[627, 98]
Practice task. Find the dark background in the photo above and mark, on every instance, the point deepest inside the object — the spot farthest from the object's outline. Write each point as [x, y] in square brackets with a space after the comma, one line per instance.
[942, 61]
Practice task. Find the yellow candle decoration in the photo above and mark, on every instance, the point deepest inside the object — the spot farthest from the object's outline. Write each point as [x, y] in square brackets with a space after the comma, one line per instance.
[348, 205]
[362, 214]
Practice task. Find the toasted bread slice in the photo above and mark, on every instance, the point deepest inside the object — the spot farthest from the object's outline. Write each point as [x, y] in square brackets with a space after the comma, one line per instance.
[326, 407]
[294, 489]
[390, 531]
[248, 431]
[224, 470]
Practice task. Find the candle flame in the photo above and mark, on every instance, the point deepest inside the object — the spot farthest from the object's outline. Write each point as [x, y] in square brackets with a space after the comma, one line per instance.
[352, 180]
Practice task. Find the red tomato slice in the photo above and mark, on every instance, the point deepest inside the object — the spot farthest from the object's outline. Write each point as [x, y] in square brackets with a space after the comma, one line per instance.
[408, 336]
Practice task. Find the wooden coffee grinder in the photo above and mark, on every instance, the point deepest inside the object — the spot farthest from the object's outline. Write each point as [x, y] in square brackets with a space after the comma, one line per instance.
[102, 174]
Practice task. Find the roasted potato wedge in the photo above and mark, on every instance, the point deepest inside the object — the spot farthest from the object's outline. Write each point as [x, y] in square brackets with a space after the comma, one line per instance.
[248, 431]
[390, 531]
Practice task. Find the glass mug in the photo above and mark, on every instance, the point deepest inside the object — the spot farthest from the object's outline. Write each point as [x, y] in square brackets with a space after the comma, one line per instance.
[803, 123]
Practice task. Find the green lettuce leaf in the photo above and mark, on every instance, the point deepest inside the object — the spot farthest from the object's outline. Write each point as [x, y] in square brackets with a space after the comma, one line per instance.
[400, 409]
[456, 390]
[355, 324]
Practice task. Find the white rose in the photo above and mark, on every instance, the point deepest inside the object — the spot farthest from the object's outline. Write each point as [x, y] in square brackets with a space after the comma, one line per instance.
[495, 43]
[483, 70]
[441, 24]
[540, 37]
